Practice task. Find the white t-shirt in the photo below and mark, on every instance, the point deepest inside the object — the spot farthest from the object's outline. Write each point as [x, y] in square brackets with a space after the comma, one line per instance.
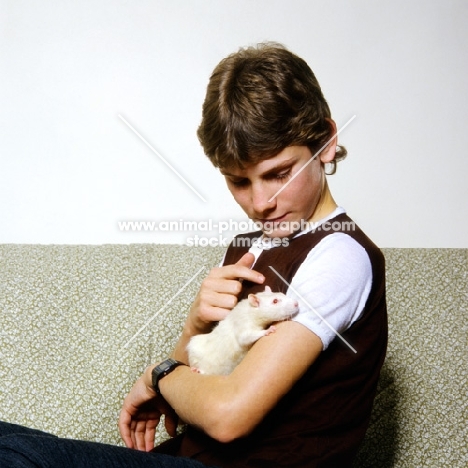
[331, 285]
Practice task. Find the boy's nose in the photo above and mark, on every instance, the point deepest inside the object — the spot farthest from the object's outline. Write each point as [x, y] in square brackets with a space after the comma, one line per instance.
[260, 198]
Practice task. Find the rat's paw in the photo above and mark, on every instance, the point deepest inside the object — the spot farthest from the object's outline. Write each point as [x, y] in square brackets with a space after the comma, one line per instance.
[270, 330]
[194, 369]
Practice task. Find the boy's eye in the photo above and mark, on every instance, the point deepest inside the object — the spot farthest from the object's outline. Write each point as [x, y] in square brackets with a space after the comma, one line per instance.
[282, 175]
[239, 182]
[244, 182]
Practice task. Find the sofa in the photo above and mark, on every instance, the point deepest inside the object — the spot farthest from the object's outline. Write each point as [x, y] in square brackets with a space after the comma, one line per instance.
[80, 323]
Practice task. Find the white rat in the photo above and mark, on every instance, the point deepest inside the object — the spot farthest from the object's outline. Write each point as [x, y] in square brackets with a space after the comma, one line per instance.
[221, 350]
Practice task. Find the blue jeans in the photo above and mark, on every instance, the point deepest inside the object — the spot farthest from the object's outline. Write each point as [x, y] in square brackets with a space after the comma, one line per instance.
[21, 447]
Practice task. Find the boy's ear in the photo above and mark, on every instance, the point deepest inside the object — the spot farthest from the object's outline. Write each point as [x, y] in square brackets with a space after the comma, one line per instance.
[328, 154]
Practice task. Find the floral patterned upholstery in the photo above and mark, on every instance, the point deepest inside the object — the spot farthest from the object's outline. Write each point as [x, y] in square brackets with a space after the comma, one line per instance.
[80, 323]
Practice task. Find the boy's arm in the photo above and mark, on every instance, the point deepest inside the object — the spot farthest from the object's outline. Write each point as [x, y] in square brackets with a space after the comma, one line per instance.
[225, 407]
[229, 407]
[142, 408]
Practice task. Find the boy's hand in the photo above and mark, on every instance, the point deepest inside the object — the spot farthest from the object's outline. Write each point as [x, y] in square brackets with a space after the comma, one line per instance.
[141, 411]
[218, 293]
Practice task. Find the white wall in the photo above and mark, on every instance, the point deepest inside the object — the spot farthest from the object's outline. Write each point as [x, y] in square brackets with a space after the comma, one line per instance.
[70, 168]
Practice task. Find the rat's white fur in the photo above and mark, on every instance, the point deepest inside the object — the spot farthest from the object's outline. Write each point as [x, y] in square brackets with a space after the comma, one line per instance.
[221, 350]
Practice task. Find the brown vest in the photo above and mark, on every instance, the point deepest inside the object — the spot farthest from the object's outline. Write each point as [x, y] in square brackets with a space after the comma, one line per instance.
[323, 419]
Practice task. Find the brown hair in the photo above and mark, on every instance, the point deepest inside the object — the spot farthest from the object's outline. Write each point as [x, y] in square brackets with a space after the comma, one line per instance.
[260, 100]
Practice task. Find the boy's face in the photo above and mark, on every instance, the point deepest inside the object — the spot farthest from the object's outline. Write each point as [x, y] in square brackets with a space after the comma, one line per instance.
[255, 188]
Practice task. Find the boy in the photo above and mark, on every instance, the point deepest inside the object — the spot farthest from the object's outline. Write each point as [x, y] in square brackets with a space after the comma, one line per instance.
[303, 395]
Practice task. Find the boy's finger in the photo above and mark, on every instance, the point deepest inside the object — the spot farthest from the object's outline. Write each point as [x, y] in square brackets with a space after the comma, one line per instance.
[247, 260]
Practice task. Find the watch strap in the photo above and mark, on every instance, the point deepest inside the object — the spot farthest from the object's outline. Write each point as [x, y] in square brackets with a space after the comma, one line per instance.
[162, 369]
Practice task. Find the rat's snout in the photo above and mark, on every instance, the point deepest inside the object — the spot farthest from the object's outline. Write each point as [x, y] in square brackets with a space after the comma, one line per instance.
[294, 304]
[293, 308]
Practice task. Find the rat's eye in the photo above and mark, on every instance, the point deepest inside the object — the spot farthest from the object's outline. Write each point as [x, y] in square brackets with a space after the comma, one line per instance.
[275, 301]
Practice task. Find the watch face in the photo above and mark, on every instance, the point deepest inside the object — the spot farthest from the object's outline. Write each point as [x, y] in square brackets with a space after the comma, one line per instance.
[162, 370]
[165, 366]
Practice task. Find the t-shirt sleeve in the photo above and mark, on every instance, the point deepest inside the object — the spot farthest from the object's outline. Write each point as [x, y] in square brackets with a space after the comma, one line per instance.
[332, 286]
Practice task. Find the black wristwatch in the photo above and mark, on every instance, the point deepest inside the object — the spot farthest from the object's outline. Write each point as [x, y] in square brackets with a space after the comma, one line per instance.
[161, 370]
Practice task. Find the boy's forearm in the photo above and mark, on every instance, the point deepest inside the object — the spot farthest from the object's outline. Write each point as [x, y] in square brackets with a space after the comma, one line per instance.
[199, 400]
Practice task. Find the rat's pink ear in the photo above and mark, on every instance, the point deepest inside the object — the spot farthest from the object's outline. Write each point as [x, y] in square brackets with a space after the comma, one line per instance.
[267, 289]
[253, 300]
